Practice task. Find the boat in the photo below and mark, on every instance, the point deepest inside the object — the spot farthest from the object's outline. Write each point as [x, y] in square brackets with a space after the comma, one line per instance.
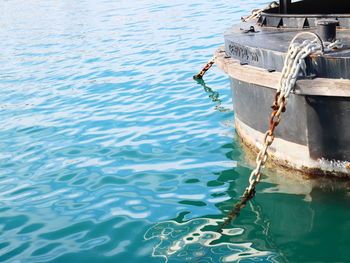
[313, 133]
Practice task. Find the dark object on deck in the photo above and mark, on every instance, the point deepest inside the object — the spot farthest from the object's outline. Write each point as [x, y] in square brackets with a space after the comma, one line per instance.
[327, 29]
[314, 132]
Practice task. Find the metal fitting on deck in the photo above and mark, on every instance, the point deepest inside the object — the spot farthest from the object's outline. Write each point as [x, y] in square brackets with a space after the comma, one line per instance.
[327, 29]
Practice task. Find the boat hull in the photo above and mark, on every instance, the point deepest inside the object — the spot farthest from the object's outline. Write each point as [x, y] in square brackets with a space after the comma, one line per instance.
[312, 136]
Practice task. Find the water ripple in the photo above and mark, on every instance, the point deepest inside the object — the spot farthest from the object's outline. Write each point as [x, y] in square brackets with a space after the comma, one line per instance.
[105, 137]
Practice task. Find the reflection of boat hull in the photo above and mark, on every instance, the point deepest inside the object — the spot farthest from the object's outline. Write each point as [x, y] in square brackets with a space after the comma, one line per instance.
[313, 134]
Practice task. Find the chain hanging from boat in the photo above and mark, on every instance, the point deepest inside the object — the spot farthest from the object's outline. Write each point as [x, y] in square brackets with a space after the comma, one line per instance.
[205, 69]
[294, 61]
[256, 13]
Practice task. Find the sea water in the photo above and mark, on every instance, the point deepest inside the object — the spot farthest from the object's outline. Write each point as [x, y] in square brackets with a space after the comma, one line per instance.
[110, 152]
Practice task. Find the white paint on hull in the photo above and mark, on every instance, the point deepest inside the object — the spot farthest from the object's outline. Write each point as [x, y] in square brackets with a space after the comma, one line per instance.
[289, 154]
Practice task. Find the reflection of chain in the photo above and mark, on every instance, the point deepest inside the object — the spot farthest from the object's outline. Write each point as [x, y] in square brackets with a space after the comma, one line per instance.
[257, 12]
[294, 60]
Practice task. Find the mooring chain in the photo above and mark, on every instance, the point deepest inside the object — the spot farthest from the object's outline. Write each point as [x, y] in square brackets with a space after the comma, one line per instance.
[256, 13]
[205, 69]
[294, 61]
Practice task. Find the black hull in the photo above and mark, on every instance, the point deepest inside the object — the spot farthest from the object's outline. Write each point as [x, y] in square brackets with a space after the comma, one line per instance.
[312, 136]
[314, 132]
[318, 122]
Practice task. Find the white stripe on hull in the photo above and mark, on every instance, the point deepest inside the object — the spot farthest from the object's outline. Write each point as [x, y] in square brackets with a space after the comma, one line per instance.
[291, 155]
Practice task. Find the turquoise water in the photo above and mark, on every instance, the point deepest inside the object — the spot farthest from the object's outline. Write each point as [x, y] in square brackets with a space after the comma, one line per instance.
[110, 152]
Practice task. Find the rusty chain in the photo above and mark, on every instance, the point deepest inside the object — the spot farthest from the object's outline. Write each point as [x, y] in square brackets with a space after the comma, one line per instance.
[205, 69]
[294, 61]
[256, 13]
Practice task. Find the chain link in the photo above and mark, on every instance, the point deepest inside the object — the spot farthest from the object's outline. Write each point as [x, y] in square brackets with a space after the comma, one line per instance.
[205, 69]
[256, 13]
[294, 61]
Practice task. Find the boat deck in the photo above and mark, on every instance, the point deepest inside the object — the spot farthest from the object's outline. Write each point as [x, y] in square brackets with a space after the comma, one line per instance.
[266, 48]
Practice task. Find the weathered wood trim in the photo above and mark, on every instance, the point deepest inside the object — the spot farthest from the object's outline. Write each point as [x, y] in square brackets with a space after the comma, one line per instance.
[259, 76]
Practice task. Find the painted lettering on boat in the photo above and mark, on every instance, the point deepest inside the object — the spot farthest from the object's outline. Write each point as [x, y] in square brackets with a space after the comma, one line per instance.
[243, 52]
